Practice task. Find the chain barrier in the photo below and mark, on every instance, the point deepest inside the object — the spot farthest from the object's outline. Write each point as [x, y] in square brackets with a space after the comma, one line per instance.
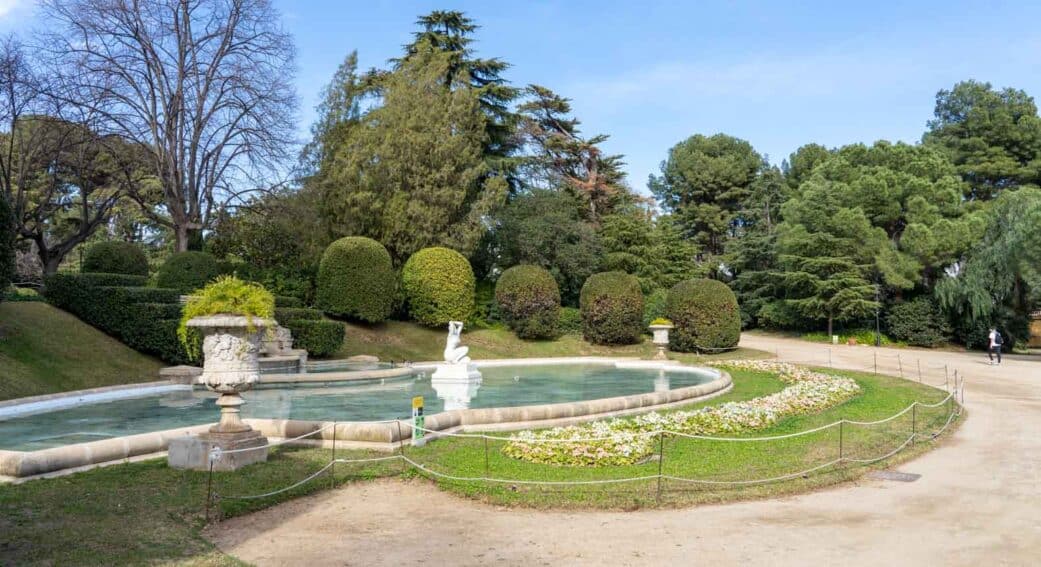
[953, 384]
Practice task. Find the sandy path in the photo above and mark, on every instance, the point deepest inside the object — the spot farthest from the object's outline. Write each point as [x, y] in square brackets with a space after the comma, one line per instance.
[978, 502]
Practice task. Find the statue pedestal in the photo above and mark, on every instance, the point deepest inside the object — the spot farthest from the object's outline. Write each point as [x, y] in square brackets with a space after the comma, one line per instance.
[194, 451]
[456, 384]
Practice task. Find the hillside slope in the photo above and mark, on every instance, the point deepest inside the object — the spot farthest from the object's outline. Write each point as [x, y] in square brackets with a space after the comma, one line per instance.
[45, 350]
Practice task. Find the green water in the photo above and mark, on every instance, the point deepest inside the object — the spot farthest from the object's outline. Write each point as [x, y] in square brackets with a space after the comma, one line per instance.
[342, 401]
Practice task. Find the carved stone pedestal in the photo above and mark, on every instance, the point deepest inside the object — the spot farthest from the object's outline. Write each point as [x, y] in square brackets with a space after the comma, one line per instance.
[195, 452]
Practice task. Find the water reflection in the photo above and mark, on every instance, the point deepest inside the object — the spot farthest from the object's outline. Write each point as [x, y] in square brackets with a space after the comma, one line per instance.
[661, 382]
[456, 393]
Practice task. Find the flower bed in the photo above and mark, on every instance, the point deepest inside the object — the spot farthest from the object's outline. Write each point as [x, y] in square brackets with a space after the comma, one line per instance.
[627, 441]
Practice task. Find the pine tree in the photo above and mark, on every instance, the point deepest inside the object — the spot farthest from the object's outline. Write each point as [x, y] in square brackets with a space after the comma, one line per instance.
[451, 32]
[411, 173]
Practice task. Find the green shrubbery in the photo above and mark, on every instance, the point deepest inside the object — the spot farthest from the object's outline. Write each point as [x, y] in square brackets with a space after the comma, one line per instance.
[356, 279]
[439, 286]
[655, 306]
[6, 244]
[569, 322]
[115, 257]
[705, 314]
[187, 271]
[612, 308]
[918, 322]
[529, 299]
[144, 318]
[319, 337]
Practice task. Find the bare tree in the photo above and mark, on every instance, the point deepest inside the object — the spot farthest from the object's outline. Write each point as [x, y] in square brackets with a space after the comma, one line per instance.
[205, 85]
[60, 178]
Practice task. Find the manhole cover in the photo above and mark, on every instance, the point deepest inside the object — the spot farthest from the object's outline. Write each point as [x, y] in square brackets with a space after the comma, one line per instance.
[894, 475]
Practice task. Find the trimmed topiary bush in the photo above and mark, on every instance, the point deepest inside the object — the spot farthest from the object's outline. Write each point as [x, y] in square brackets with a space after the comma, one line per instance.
[612, 309]
[115, 258]
[318, 337]
[706, 316]
[188, 271]
[356, 279]
[918, 322]
[439, 286]
[529, 299]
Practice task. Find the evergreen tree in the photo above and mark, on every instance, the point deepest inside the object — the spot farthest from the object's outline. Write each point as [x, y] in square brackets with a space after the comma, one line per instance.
[451, 32]
[704, 182]
[826, 252]
[653, 250]
[799, 165]
[411, 173]
[561, 158]
[993, 137]
[751, 256]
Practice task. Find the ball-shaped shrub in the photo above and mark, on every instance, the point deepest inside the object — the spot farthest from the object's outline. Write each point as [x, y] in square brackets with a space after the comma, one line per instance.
[529, 298]
[705, 315]
[115, 257]
[612, 308]
[438, 284]
[356, 279]
[187, 271]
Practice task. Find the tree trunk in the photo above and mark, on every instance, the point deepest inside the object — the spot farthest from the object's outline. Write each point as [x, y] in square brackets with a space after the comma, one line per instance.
[830, 319]
[181, 237]
[50, 262]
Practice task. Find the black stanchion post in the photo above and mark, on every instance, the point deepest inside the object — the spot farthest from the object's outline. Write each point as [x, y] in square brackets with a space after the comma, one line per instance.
[661, 460]
[919, 370]
[914, 422]
[842, 421]
[900, 365]
[485, 437]
[401, 448]
[332, 465]
[209, 490]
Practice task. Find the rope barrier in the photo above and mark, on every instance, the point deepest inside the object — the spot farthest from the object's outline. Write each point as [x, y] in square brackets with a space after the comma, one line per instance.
[952, 394]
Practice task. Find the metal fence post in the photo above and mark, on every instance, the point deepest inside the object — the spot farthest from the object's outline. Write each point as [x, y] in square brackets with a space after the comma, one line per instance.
[919, 370]
[661, 460]
[874, 356]
[829, 357]
[209, 491]
[946, 379]
[332, 465]
[401, 448]
[485, 437]
[841, 421]
[914, 422]
[900, 365]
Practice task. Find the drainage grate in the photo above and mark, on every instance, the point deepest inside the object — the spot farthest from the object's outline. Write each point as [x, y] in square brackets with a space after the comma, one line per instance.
[894, 475]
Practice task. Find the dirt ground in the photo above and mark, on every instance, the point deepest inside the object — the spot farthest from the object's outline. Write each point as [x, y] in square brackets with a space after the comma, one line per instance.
[978, 502]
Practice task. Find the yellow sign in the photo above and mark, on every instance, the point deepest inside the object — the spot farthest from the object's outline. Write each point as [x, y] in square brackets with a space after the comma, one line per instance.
[417, 402]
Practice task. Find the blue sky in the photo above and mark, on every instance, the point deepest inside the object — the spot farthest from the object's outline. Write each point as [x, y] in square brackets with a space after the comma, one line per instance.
[649, 74]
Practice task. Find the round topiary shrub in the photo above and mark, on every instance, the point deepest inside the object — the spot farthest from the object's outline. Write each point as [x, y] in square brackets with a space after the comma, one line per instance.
[115, 257]
[187, 271]
[356, 279]
[612, 308]
[705, 314]
[529, 299]
[438, 284]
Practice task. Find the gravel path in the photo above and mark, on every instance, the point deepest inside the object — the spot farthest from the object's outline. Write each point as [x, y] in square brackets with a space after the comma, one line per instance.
[978, 503]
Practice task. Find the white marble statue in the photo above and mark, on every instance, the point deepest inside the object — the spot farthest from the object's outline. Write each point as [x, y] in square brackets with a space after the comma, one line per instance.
[455, 354]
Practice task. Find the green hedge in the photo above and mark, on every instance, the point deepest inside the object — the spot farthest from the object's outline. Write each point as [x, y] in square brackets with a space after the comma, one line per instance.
[569, 322]
[705, 314]
[187, 271]
[319, 337]
[439, 286]
[287, 301]
[115, 257]
[294, 313]
[145, 318]
[656, 306]
[918, 322]
[529, 299]
[356, 279]
[612, 308]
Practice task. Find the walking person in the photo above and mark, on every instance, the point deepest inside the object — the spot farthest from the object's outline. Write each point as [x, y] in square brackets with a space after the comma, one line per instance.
[995, 345]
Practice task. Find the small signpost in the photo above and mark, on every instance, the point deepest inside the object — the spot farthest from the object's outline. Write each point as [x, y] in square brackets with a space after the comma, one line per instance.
[418, 422]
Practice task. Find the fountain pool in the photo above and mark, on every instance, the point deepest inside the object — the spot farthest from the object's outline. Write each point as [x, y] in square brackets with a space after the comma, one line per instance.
[369, 400]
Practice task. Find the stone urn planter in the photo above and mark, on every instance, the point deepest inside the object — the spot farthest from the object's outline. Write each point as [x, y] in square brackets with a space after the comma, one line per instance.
[660, 339]
[230, 348]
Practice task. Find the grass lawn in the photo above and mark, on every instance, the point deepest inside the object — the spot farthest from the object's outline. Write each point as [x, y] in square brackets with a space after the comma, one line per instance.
[45, 350]
[147, 513]
[398, 341]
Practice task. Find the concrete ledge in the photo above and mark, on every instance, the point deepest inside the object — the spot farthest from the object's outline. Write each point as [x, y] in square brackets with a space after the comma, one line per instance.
[386, 435]
[338, 376]
[51, 402]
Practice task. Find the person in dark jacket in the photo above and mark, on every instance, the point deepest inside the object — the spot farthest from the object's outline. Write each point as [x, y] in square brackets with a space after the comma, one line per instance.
[994, 348]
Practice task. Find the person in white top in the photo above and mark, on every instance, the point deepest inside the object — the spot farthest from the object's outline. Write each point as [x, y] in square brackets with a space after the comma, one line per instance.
[994, 348]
